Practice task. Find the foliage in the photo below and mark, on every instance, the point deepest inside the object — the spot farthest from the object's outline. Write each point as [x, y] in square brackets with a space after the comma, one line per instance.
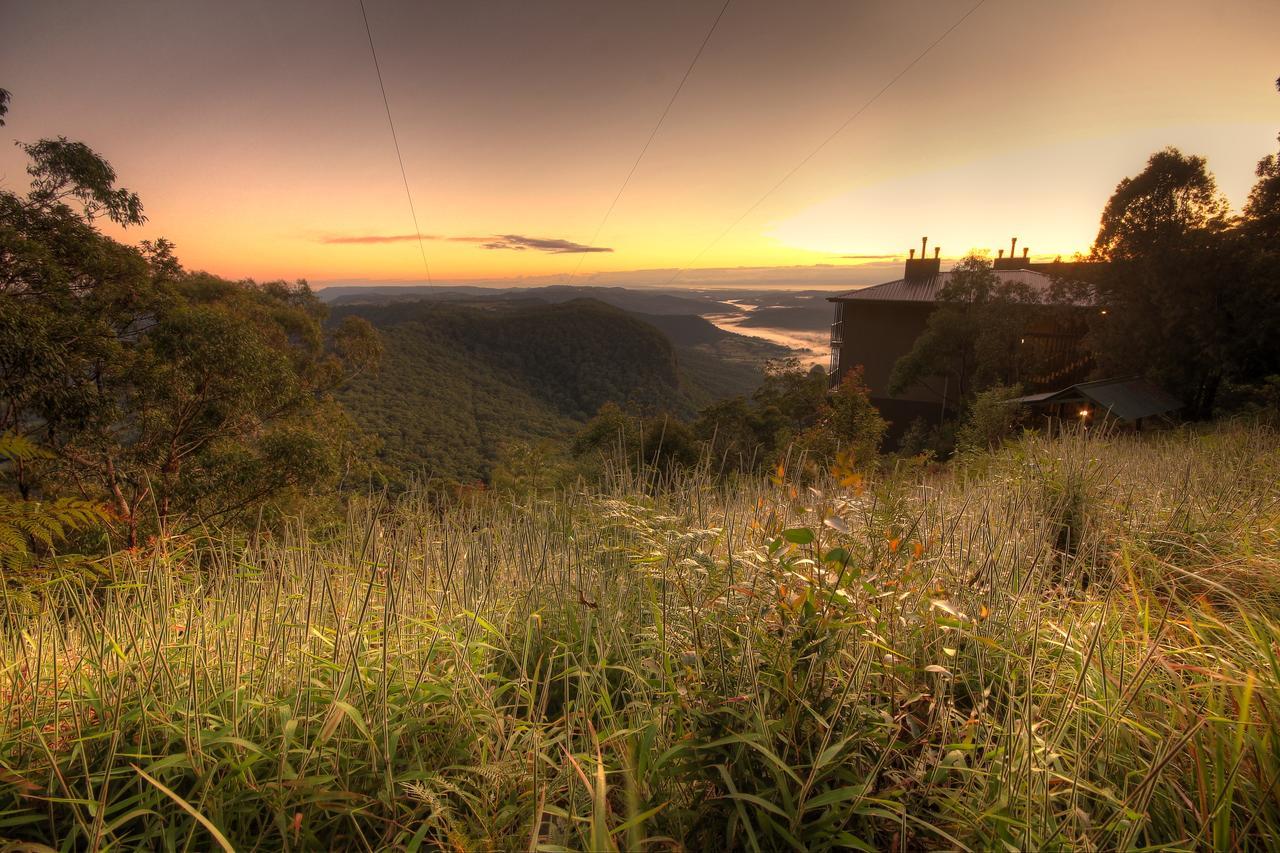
[178, 398]
[27, 527]
[1167, 280]
[907, 662]
[1192, 296]
[616, 437]
[751, 434]
[1255, 243]
[850, 424]
[972, 338]
[529, 468]
[990, 419]
[61, 170]
[928, 440]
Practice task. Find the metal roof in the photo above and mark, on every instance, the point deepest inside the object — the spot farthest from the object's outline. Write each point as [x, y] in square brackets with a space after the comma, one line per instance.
[1127, 399]
[927, 289]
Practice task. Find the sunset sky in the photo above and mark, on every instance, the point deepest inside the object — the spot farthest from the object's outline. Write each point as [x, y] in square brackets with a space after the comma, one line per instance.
[256, 134]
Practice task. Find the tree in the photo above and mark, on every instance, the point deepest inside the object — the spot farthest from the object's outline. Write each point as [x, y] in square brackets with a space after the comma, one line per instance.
[1169, 280]
[5, 97]
[1256, 246]
[660, 440]
[61, 170]
[176, 397]
[972, 338]
[734, 434]
[991, 418]
[745, 434]
[796, 394]
[851, 424]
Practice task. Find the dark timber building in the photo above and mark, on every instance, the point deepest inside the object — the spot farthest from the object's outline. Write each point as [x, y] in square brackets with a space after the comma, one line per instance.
[877, 325]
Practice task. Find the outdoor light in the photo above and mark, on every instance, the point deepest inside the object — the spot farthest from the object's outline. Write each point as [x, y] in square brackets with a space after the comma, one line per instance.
[1084, 413]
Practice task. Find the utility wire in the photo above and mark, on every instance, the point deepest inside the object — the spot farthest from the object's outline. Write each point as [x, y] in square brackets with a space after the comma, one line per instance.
[395, 141]
[652, 134]
[885, 88]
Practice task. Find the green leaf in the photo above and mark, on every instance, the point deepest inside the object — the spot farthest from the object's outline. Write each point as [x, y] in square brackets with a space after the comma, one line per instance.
[798, 535]
[189, 809]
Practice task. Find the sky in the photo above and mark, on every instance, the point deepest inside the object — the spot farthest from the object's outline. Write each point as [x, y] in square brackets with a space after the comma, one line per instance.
[257, 137]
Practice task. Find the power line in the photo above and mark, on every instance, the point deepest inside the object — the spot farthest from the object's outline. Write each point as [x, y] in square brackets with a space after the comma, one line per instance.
[827, 141]
[396, 142]
[652, 134]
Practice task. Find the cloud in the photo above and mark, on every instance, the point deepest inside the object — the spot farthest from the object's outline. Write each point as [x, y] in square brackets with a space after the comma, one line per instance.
[374, 238]
[870, 257]
[516, 242]
[553, 245]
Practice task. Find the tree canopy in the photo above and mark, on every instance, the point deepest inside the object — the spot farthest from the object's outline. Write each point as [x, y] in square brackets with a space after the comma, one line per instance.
[1190, 291]
[971, 339]
[174, 397]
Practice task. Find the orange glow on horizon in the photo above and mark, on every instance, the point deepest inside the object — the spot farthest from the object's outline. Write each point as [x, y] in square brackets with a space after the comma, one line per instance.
[274, 140]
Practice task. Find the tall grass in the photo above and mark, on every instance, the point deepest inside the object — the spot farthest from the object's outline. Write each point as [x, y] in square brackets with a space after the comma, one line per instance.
[1071, 643]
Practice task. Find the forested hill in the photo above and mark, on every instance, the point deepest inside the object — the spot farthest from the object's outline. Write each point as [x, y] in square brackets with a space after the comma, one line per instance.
[461, 380]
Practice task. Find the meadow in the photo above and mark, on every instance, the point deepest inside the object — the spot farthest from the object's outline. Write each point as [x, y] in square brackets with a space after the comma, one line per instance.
[1069, 643]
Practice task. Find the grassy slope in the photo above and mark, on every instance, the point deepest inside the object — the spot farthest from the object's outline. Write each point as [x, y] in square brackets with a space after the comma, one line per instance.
[945, 678]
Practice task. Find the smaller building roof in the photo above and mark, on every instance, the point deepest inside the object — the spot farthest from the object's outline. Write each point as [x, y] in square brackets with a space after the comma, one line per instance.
[1129, 399]
[926, 289]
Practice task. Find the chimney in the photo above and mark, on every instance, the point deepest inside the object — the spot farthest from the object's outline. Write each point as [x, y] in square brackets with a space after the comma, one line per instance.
[1012, 261]
[923, 267]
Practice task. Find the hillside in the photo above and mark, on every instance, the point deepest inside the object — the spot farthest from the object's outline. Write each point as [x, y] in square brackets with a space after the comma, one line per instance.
[462, 379]
[713, 363]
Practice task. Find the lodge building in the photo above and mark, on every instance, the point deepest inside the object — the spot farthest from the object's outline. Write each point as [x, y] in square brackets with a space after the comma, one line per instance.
[877, 325]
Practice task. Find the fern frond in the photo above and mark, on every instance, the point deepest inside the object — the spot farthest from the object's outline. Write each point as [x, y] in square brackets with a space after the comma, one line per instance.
[19, 448]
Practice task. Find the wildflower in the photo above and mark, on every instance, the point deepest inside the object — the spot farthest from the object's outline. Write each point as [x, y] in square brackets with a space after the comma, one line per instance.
[917, 549]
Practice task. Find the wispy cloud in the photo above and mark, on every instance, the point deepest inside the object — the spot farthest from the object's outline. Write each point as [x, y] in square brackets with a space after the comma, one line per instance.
[554, 245]
[373, 238]
[516, 242]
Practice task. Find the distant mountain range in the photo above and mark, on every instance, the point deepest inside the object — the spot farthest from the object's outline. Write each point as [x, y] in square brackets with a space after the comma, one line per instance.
[628, 299]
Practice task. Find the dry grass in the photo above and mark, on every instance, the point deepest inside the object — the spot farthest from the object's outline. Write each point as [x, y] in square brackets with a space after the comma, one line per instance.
[1069, 644]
